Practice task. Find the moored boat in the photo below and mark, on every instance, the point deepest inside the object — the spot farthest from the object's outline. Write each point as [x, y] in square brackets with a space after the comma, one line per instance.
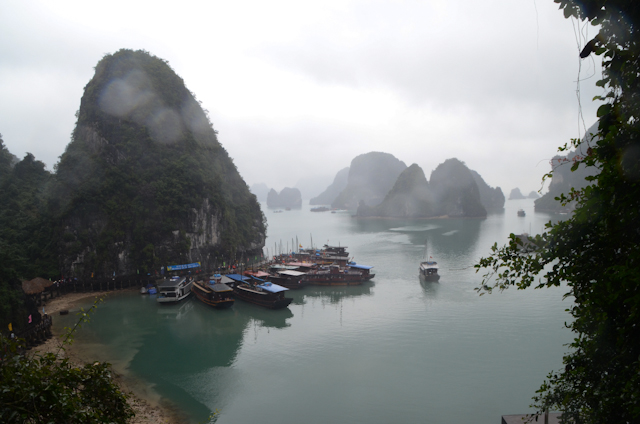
[365, 270]
[214, 293]
[259, 292]
[174, 289]
[333, 276]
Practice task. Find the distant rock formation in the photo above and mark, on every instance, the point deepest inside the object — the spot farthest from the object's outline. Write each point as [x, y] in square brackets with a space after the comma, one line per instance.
[452, 192]
[563, 178]
[329, 195]
[312, 186]
[260, 190]
[533, 195]
[371, 176]
[455, 190]
[516, 194]
[410, 197]
[287, 198]
[492, 198]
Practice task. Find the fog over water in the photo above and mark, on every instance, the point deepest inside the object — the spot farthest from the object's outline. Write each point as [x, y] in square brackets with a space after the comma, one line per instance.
[310, 85]
[395, 349]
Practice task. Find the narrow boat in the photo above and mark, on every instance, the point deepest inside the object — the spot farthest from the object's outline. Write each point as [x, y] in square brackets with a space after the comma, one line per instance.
[284, 276]
[365, 270]
[214, 293]
[174, 289]
[429, 270]
[333, 276]
[259, 292]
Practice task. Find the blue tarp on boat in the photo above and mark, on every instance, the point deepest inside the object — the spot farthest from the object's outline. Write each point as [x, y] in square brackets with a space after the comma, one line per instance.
[272, 288]
[237, 277]
[355, 265]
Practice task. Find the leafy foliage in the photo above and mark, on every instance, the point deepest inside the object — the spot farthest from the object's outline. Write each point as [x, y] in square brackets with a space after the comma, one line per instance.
[597, 251]
[143, 160]
[46, 389]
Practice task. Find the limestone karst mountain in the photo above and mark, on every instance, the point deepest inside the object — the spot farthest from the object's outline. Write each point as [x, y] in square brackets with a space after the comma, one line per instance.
[455, 190]
[492, 198]
[516, 194]
[452, 192]
[144, 181]
[329, 195]
[564, 178]
[410, 197]
[287, 198]
[371, 176]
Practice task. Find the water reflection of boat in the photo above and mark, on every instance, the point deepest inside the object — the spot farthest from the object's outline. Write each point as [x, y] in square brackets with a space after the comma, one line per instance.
[174, 289]
[333, 294]
[259, 292]
[430, 287]
[176, 311]
[214, 293]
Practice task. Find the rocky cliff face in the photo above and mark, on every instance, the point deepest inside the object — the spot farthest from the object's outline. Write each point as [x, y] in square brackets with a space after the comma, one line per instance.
[329, 195]
[492, 198]
[455, 191]
[410, 197]
[371, 176]
[287, 198]
[452, 192]
[516, 194]
[145, 182]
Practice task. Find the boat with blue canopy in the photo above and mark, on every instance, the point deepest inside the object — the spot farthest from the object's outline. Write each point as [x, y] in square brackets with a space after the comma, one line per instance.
[259, 292]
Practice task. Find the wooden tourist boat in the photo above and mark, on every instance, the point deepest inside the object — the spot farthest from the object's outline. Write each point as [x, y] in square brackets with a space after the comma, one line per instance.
[286, 278]
[174, 289]
[333, 276]
[365, 270]
[214, 293]
[259, 292]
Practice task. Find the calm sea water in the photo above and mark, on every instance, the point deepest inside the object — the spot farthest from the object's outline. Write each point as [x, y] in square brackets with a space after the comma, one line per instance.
[393, 350]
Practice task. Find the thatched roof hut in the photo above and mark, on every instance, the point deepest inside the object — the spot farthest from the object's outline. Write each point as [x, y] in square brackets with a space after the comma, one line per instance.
[32, 287]
[43, 282]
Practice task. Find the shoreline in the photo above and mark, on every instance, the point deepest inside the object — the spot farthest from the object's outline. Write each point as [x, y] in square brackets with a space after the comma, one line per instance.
[149, 407]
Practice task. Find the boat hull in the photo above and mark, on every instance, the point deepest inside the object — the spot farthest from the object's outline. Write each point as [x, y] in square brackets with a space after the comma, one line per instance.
[213, 299]
[267, 300]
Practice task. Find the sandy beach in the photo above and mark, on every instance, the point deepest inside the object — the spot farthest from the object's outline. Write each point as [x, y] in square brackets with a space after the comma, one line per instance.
[148, 407]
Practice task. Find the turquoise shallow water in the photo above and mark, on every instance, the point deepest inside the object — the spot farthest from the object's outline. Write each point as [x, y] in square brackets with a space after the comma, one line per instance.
[393, 350]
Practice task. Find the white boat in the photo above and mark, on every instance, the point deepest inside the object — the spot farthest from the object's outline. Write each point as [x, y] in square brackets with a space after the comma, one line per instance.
[174, 289]
[429, 270]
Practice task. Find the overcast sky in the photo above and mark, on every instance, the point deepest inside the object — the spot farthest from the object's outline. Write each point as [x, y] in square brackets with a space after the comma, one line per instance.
[297, 89]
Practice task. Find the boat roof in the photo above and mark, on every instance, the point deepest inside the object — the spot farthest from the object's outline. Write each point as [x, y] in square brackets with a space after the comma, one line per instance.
[272, 287]
[433, 264]
[237, 277]
[282, 267]
[220, 287]
[172, 283]
[259, 274]
[292, 273]
[355, 265]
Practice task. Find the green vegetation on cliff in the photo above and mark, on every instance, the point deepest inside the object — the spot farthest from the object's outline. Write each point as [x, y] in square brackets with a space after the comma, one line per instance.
[145, 177]
[455, 190]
